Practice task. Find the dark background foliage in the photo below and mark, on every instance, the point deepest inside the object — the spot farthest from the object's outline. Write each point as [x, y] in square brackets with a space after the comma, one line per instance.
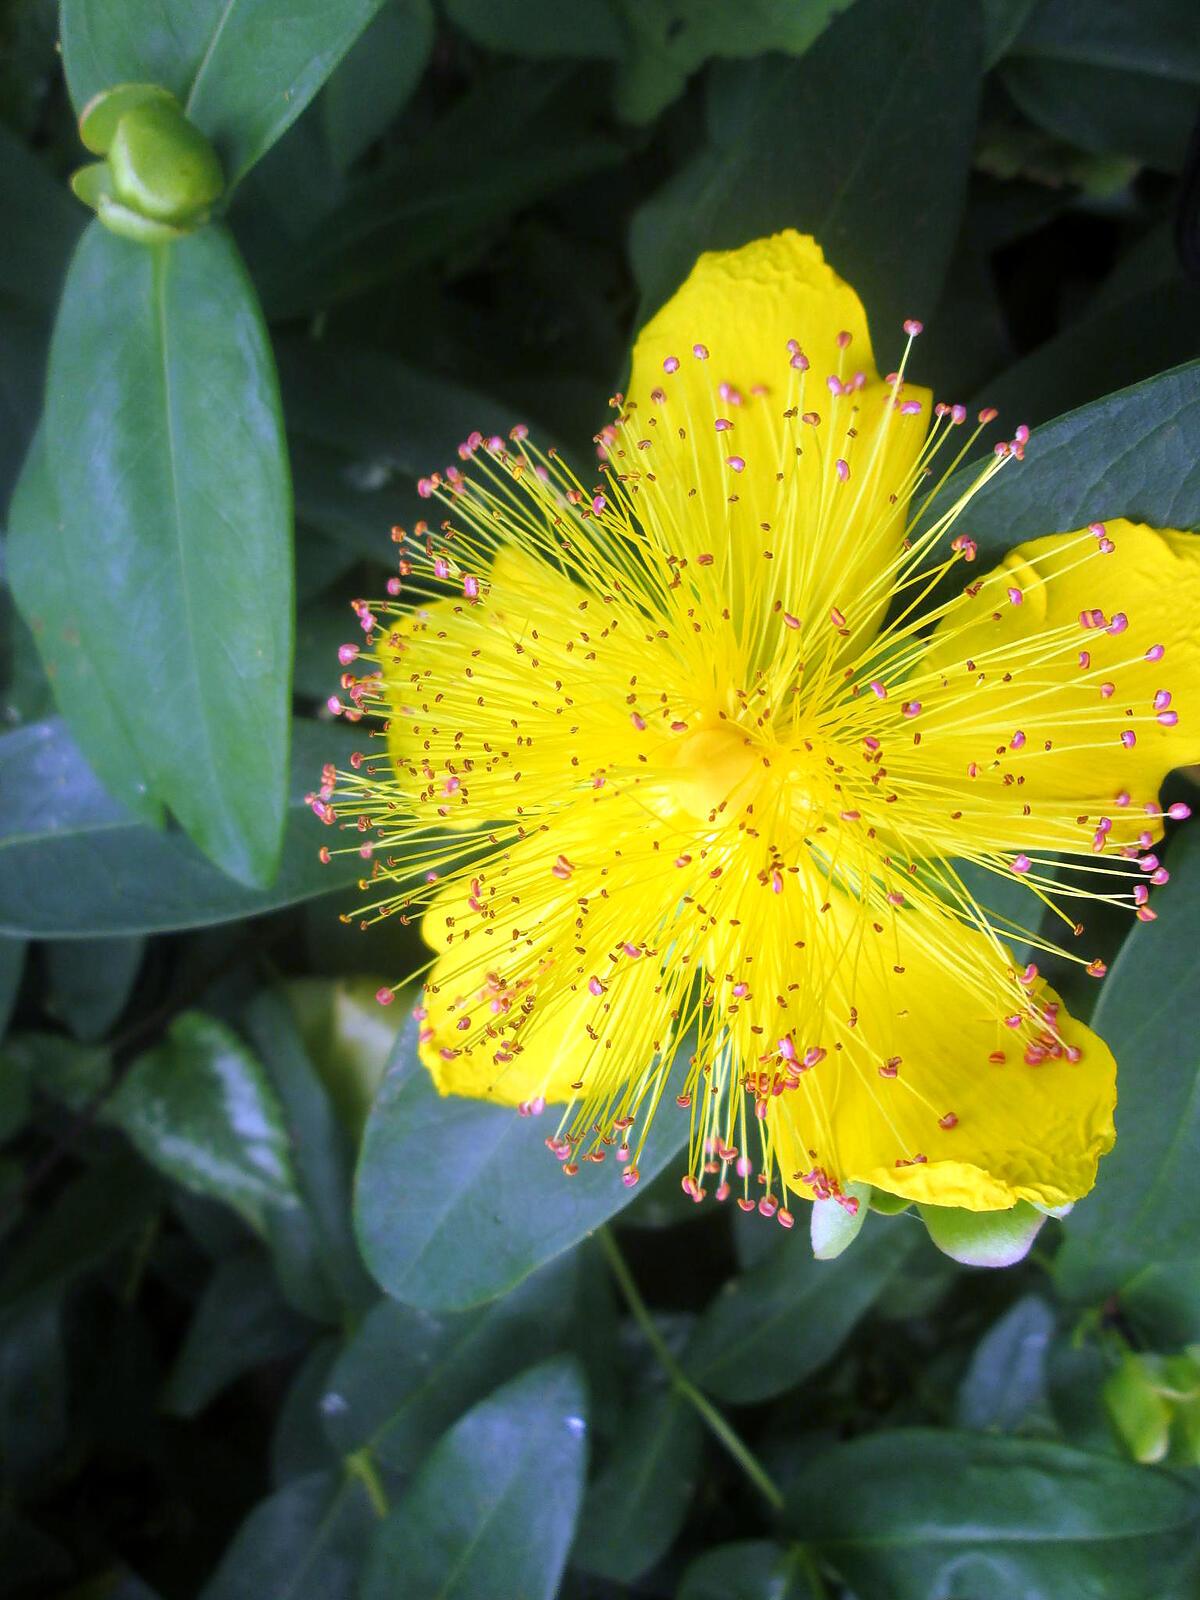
[227, 1371]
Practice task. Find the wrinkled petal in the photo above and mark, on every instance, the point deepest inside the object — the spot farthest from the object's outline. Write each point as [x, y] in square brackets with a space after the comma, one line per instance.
[735, 468]
[930, 1095]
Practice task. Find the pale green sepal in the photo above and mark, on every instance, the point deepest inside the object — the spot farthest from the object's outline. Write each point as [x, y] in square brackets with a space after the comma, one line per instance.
[834, 1229]
[983, 1238]
[128, 224]
[92, 183]
[99, 118]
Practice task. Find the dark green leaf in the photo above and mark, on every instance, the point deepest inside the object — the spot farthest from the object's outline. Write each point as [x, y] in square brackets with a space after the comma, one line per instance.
[1109, 77]
[1145, 1206]
[31, 1557]
[173, 533]
[304, 1543]
[243, 69]
[73, 1074]
[910, 1514]
[1134, 454]
[752, 1569]
[90, 981]
[636, 1506]
[493, 1510]
[298, 1443]
[313, 1243]
[484, 1202]
[12, 965]
[349, 1039]
[75, 862]
[670, 39]
[240, 1323]
[895, 172]
[33, 1393]
[16, 1099]
[407, 1374]
[787, 1316]
[41, 224]
[376, 77]
[1006, 1381]
[541, 29]
[200, 1108]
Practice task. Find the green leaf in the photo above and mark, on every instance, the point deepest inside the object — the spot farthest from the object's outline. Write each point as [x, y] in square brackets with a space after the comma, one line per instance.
[376, 78]
[315, 1253]
[407, 1375]
[787, 1316]
[634, 1509]
[33, 1394]
[917, 1512]
[41, 225]
[671, 39]
[90, 981]
[304, 1543]
[16, 1100]
[1006, 1380]
[173, 521]
[750, 1569]
[73, 1074]
[885, 198]
[348, 1037]
[1111, 78]
[75, 862]
[493, 1510]
[200, 1108]
[984, 1238]
[298, 1441]
[483, 1199]
[240, 1323]
[1145, 1206]
[243, 70]
[1134, 454]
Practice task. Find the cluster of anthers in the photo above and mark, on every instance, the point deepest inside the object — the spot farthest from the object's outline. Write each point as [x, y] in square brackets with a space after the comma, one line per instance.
[708, 782]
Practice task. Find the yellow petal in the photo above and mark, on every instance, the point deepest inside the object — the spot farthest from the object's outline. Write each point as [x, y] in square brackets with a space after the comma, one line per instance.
[1088, 693]
[957, 1116]
[736, 473]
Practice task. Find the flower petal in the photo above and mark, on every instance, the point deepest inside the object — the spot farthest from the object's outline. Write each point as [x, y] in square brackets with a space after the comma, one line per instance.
[1039, 728]
[929, 1094]
[764, 425]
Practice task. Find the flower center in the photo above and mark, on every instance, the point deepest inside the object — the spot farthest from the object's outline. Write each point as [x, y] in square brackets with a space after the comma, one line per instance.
[714, 765]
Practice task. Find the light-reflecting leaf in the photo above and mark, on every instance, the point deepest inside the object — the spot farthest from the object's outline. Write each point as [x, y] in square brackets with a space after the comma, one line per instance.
[200, 1108]
[1005, 1383]
[173, 530]
[244, 70]
[376, 77]
[749, 1569]
[74, 861]
[493, 1510]
[90, 981]
[459, 1200]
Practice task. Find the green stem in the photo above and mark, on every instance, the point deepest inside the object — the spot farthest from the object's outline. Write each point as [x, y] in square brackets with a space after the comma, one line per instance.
[361, 1465]
[712, 1418]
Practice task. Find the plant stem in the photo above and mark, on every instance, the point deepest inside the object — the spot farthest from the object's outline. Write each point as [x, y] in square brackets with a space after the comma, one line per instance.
[712, 1418]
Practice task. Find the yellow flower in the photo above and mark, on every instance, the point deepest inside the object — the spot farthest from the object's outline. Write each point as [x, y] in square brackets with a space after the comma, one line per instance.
[696, 753]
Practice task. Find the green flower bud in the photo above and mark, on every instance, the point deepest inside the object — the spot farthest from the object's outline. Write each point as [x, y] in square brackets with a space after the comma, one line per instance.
[161, 177]
[1140, 1415]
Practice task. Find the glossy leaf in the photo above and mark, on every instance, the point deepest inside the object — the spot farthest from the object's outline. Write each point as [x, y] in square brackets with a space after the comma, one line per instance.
[750, 1569]
[1145, 1205]
[886, 196]
[74, 861]
[304, 1543]
[200, 1108]
[1134, 454]
[173, 534]
[243, 70]
[634, 1509]
[482, 1200]
[408, 1374]
[240, 1323]
[790, 1313]
[493, 1510]
[921, 1512]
